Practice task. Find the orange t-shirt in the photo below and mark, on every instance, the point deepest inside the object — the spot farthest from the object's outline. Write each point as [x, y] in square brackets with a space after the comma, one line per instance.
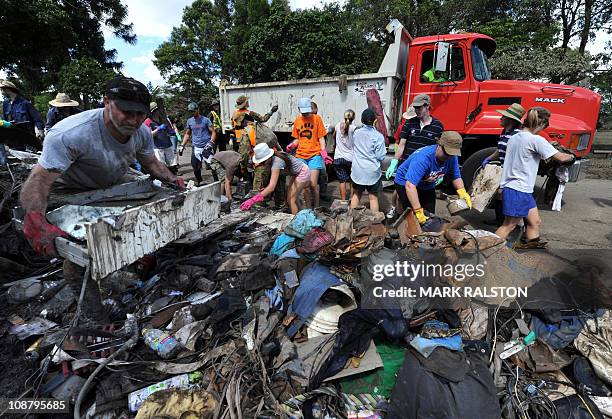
[308, 130]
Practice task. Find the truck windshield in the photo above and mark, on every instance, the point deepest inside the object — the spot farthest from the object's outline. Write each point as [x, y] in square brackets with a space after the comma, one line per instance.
[479, 62]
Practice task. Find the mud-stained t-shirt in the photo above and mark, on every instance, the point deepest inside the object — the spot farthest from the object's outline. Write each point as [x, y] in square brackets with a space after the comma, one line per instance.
[83, 150]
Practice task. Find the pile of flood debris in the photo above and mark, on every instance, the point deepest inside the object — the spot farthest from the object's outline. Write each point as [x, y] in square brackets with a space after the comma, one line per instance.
[269, 315]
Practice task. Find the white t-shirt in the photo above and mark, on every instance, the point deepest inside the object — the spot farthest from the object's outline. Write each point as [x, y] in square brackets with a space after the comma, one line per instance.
[344, 143]
[523, 155]
[82, 149]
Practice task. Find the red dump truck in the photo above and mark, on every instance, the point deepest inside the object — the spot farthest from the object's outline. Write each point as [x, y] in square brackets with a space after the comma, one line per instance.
[465, 101]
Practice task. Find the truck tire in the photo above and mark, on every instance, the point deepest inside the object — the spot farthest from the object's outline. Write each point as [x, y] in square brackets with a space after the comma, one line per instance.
[472, 164]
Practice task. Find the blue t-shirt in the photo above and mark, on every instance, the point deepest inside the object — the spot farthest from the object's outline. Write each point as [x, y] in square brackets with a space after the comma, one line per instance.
[200, 135]
[423, 169]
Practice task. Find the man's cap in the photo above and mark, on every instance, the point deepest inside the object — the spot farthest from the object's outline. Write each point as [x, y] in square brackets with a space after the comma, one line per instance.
[410, 113]
[241, 102]
[8, 85]
[451, 142]
[192, 107]
[62, 100]
[421, 100]
[153, 106]
[368, 116]
[514, 111]
[128, 94]
[305, 105]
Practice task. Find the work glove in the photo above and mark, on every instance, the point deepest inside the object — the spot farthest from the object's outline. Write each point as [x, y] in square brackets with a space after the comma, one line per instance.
[391, 168]
[4, 124]
[274, 109]
[465, 196]
[326, 158]
[41, 234]
[246, 205]
[180, 183]
[181, 148]
[292, 146]
[162, 126]
[420, 215]
[485, 162]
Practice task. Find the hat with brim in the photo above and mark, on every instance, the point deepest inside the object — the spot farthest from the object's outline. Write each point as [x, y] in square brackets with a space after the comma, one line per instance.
[63, 100]
[514, 111]
[410, 113]
[241, 102]
[451, 142]
[8, 85]
[305, 105]
[262, 153]
[421, 100]
[153, 106]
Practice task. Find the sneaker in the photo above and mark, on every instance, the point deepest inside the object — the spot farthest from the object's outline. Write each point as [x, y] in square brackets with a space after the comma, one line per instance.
[391, 213]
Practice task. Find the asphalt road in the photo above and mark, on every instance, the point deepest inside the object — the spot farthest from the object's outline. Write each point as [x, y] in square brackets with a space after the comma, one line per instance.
[585, 220]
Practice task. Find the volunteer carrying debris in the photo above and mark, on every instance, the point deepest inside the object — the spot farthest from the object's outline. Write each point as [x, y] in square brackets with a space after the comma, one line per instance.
[91, 150]
[417, 177]
[511, 121]
[201, 131]
[523, 154]
[280, 163]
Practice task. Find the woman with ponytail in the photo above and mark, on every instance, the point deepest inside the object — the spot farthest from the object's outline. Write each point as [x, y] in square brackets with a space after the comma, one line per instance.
[297, 172]
[523, 154]
[343, 155]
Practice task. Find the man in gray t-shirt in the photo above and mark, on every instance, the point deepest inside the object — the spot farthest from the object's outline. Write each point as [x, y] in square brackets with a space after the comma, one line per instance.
[88, 151]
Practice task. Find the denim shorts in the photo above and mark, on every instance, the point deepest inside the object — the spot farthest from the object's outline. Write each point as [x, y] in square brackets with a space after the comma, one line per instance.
[515, 203]
[315, 162]
[343, 169]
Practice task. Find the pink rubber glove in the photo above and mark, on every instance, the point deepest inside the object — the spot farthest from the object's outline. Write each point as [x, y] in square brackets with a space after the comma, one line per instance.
[326, 158]
[246, 205]
[292, 146]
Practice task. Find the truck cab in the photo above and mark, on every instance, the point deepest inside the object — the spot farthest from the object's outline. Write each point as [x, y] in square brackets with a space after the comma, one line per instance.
[465, 98]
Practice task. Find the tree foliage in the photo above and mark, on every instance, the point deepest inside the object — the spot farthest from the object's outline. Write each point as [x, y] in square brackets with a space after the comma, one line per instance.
[84, 80]
[41, 36]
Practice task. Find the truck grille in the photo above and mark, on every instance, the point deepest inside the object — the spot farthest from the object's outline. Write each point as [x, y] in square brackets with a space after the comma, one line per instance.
[584, 142]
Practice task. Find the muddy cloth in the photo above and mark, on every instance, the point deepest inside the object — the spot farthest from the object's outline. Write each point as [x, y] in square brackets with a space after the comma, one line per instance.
[282, 243]
[421, 393]
[302, 223]
[540, 357]
[558, 335]
[221, 311]
[595, 343]
[314, 281]
[258, 276]
[179, 404]
[436, 334]
[573, 407]
[315, 239]
[356, 330]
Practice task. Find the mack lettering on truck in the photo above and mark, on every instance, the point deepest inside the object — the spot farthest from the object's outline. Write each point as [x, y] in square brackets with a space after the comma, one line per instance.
[549, 100]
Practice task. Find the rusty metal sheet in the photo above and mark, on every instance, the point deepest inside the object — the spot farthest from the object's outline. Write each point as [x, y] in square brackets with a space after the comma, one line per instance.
[485, 186]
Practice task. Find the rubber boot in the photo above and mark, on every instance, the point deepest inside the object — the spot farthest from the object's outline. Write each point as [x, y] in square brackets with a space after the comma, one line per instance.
[92, 309]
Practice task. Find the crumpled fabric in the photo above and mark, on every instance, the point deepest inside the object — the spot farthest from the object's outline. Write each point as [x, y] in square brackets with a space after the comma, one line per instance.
[258, 276]
[282, 243]
[559, 335]
[595, 343]
[314, 281]
[302, 223]
[179, 404]
[315, 239]
[425, 346]
[356, 329]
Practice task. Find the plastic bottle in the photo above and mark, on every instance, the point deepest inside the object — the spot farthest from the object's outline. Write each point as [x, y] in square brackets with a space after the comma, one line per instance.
[164, 345]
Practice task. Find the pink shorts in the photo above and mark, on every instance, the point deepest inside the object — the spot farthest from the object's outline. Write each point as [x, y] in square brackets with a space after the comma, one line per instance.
[304, 175]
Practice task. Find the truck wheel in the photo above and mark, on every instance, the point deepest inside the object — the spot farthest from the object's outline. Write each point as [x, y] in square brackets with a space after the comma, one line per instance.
[472, 164]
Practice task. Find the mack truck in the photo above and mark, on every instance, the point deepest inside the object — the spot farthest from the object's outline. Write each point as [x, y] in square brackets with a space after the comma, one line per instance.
[465, 98]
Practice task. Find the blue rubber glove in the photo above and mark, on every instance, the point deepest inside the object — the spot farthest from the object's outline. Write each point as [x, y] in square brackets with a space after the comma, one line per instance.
[391, 168]
[162, 126]
[485, 162]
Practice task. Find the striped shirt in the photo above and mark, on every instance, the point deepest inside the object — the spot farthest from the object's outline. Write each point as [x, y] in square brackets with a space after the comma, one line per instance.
[502, 143]
[417, 137]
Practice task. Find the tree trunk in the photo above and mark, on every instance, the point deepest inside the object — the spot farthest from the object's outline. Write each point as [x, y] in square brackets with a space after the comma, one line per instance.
[586, 29]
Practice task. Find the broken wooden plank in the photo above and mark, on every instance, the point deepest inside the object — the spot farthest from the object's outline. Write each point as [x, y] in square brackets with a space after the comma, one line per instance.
[485, 186]
[142, 230]
[214, 228]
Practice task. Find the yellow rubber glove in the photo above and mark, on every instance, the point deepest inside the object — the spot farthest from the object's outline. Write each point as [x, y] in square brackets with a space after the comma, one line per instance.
[420, 215]
[465, 196]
